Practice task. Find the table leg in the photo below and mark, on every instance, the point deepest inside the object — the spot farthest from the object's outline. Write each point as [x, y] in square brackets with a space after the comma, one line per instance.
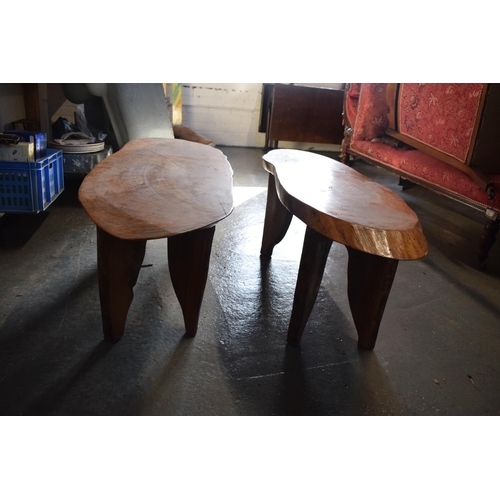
[276, 222]
[188, 261]
[119, 262]
[312, 265]
[369, 281]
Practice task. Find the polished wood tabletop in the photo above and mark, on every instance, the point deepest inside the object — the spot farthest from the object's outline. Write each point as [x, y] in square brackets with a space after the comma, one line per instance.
[157, 188]
[345, 206]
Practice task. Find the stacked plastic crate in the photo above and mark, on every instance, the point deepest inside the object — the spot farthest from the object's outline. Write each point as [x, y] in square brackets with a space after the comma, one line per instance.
[31, 176]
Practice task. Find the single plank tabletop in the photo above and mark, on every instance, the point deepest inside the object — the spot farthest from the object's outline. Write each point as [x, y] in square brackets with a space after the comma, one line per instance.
[345, 206]
[157, 188]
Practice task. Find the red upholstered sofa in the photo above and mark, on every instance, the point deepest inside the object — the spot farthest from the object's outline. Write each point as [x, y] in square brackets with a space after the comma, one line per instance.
[442, 136]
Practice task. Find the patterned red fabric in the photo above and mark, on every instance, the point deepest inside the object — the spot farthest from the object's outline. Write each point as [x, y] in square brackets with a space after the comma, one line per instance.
[371, 118]
[441, 115]
[430, 169]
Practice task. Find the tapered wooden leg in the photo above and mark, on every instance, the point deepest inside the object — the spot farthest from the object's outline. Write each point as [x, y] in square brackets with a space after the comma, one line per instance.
[488, 238]
[312, 265]
[188, 261]
[119, 262]
[369, 281]
[276, 222]
[344, 155]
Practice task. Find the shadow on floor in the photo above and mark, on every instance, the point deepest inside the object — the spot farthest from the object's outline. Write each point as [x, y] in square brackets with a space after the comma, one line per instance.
[17, 229]
[327, 375]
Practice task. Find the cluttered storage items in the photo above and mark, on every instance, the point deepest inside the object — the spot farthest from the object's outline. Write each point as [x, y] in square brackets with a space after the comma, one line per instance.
[31, 175]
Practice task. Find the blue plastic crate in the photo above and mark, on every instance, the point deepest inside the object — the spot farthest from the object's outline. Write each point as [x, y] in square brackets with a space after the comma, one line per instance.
[30, 187]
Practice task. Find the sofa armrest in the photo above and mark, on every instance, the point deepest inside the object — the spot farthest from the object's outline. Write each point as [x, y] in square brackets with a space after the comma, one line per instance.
[372, 112]
[351, 104]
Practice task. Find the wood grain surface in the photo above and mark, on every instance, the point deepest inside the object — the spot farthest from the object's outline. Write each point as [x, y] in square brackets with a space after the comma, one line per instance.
[345, 206]
[156, 188]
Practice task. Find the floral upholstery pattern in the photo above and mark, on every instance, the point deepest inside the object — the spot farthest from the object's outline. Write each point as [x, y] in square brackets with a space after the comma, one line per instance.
[428, 113]
[372, 112]
[429, 169]
[441, 115]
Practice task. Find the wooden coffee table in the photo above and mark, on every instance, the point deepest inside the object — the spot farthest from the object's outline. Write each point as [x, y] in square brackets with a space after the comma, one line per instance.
[150, 189]
[339, 204]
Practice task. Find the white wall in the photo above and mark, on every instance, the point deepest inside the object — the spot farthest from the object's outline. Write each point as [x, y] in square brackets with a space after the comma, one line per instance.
[229, 114]
[66, 110]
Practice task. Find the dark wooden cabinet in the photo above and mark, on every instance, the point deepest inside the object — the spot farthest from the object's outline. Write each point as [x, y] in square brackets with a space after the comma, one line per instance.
[485, 151]
[301, 114]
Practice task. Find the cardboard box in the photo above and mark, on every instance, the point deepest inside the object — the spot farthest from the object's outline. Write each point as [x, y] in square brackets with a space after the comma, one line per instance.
[22, 151]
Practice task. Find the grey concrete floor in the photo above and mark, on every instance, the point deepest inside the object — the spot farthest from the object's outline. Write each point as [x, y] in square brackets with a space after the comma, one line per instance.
[437, 352]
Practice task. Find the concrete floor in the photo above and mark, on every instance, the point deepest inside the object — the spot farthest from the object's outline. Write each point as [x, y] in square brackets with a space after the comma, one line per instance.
[437, 352]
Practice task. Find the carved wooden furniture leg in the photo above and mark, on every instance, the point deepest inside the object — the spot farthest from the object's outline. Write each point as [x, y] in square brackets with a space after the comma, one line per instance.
[276, 222]
[369, 281]
[312, 265]
[119, 262]
[345, 158]
[488, 238]
[188, 262]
